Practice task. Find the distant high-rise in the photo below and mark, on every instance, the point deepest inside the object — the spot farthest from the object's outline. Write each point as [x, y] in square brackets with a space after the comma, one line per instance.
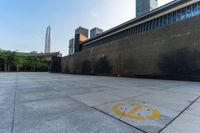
[95, 32]
[71, 46]
[83, 31]
[81, 35]
[48, 40]
[144, 6]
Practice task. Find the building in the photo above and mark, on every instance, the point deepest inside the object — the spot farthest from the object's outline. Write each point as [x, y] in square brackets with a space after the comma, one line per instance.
[71, 46]
[81, 35]
[163, 42]
[47, 48]
[79, 38]
[173, 12]
[83, 31]
[95, 32]
[144, 6]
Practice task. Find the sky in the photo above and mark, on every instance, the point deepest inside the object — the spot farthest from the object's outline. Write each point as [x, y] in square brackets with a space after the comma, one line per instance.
[23, 23]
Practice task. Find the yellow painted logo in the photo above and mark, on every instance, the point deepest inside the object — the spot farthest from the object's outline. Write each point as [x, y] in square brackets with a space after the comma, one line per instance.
[136, 111]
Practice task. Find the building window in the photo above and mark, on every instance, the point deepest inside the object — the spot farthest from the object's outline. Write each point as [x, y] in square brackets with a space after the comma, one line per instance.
[171, 18]
[188, 12]
[178, 15]
[161, 21]
[183, 14]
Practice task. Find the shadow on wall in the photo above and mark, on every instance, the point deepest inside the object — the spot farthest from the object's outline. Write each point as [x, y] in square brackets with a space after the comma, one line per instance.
[86, 68]
[103, 66]
[181, 63]
[66, 69]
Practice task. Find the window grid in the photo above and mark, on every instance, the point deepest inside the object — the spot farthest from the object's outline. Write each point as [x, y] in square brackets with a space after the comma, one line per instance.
[171, 18]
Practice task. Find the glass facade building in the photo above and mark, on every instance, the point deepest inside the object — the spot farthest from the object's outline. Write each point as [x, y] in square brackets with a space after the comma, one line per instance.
[80, 35]
[181, 14]
[71, 46]
[95, 32]
[144, 6]
[83, 31]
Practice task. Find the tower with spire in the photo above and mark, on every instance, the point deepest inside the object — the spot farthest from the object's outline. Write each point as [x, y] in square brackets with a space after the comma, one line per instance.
[47, 48]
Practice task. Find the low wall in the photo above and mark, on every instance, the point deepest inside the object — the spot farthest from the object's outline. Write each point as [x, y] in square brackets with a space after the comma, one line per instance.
[167, 51]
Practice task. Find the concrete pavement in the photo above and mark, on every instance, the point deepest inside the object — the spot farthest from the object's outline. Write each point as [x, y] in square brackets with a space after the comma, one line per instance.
[59, 103]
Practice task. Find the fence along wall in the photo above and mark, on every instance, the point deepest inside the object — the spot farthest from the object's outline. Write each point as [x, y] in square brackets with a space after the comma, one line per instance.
[170, 50]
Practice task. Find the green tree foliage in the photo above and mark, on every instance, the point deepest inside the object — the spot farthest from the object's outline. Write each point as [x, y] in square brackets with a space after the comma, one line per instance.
[20, 61]
[8, 58]
[14, 61]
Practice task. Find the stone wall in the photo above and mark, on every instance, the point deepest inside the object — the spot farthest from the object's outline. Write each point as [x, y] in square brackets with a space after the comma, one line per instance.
[55, 65]
[170, 50]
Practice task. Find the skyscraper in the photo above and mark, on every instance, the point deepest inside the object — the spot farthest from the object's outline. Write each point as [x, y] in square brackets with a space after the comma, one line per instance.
[144, 6]
[81, 35]
[48, 40]
[95, 32]
[83, 31]
[71, 46]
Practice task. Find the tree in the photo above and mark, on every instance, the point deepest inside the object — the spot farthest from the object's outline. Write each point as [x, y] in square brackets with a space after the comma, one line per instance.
[16, 62]
[2, 57]
[6, 56]
[11, 56]
[20, 61]
[33, 62]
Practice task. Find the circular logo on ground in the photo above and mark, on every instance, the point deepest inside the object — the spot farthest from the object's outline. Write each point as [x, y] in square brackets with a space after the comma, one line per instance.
[136, 111]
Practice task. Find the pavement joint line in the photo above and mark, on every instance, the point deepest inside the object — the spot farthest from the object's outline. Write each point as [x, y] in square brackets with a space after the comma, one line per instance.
[14, 104]
[120, 120]
[179, 114]
[111, 116]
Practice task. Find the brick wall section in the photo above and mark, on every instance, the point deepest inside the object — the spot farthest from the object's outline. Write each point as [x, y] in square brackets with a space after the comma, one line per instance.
[170, 50]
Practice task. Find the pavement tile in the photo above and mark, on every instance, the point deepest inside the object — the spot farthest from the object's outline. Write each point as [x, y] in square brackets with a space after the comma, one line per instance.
[35, 95]
[125, 93]
[6, 117]
[26, 87]
[198, 101]
[38, 89]
[185, 123]
[141, 89]
[44, 108]
[53, 103]
[194, 109]
[139, 117]
[65, 118]
[181, 96]
[97, 98]
[187, 89]
[6, 91]
[169, 102]
[6, 100]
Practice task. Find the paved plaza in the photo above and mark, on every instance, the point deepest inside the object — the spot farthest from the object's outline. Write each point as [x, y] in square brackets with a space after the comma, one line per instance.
[61, 103]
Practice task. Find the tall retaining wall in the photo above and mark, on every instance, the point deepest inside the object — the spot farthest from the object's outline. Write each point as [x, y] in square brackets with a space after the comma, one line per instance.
[168, 51]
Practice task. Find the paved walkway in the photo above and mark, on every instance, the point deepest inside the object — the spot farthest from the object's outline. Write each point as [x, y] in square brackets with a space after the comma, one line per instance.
[58, 103]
